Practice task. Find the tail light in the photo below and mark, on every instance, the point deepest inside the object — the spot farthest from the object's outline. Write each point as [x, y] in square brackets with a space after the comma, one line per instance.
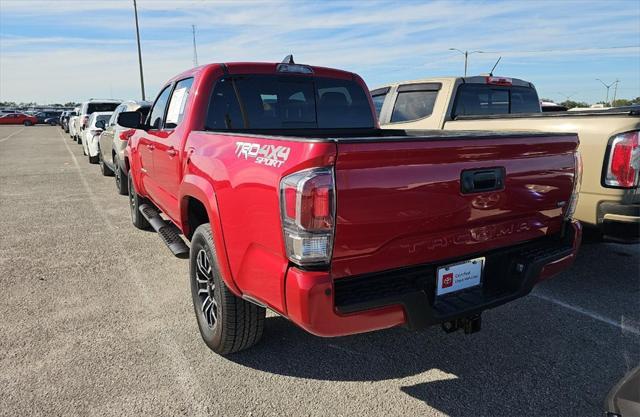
[95, 132]
[126, 134]
[307, 206]
[577, 183]
[624, 161]
[84, 122]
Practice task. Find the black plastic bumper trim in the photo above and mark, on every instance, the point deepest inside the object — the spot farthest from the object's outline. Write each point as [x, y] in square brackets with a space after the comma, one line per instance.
[509, 273]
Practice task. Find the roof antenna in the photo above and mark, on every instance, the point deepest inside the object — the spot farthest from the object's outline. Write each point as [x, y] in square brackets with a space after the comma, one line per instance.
[288, 59]
[494, 67]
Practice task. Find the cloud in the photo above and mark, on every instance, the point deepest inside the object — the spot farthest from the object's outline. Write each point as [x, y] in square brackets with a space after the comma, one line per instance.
[90, 46]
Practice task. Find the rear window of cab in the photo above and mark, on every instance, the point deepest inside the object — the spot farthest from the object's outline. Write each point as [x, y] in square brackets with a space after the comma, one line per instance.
[288, 102]
[93, 107]
[486, 99]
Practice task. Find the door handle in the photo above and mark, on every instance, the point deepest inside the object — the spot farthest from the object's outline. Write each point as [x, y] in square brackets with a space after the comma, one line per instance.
[150, 147]
[172, 151]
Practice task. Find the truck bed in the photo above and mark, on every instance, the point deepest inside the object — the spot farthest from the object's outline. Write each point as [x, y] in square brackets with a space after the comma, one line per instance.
[379, 135]
[619, 111]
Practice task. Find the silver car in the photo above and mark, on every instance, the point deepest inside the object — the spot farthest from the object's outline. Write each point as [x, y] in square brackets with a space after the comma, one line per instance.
[114, 139]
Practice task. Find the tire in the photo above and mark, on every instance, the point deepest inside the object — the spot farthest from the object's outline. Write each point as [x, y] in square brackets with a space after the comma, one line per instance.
[94, 159]
[120, 176]
[106, 171]
[27, 123]
[227, 323]
[135, 201]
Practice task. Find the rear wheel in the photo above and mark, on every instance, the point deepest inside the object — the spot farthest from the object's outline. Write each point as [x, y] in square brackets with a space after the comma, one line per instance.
[227, 323]
[135, 201]
[94, 159]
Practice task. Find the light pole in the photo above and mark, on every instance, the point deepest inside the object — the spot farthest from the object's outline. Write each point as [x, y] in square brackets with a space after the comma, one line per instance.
[607, 87]
[466, 57]
[135, 12]
[615, 92]
[195, 51]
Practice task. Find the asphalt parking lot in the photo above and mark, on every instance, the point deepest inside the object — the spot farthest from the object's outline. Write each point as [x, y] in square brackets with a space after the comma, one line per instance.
[97, 320]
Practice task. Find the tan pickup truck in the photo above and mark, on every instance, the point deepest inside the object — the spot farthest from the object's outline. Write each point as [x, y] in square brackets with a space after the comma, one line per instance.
[609, 198]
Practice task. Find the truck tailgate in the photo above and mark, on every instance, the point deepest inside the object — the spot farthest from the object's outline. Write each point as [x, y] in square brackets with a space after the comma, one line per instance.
[404, 202]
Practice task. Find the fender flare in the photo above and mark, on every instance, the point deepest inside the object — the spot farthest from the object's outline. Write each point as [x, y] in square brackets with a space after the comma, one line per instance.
[198, 188]
[131, 161]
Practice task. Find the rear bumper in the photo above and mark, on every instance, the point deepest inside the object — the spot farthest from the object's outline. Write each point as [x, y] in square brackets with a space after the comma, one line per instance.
[619, 222]
[406, 296]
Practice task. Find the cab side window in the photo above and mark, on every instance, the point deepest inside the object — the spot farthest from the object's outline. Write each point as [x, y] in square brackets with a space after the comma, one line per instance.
[177, 104]
[378, 101]
[157, 113]
[378, 96]
[415, 101]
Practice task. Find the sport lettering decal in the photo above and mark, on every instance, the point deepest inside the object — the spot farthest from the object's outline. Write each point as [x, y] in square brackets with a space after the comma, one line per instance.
[269, 155]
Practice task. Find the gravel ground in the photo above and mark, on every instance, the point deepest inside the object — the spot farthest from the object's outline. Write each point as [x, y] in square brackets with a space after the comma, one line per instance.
[97, 320]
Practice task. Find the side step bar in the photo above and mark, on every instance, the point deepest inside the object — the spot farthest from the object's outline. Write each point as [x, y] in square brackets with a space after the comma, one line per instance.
[167, 231]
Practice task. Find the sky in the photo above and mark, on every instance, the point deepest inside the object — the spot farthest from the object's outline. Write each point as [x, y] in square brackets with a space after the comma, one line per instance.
[54, 52]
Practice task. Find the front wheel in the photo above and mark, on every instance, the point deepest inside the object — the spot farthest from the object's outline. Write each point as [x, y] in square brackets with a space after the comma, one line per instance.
[227, 323]
[28, 123]
[135, 201]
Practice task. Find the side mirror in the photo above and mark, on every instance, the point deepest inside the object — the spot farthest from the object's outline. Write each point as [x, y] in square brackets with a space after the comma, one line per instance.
[130, 119]
[100, 124]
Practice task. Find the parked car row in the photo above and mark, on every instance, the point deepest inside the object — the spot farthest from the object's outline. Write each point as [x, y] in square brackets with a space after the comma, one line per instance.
[94, 125]
[292, 198]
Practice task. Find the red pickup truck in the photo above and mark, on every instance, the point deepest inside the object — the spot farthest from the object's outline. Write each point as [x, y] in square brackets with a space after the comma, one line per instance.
[293, 199]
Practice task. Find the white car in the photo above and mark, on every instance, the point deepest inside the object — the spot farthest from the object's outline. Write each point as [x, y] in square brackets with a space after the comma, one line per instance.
[91, 135]
[87, 108]
[73, 126]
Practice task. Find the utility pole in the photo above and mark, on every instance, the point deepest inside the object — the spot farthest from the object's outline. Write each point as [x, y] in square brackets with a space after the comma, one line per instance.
[466, 57]
[135, 11]
[608, 86]
[195, 51]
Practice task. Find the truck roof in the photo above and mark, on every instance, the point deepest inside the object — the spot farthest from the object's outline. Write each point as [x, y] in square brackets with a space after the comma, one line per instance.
[476, 79]
[261, 68]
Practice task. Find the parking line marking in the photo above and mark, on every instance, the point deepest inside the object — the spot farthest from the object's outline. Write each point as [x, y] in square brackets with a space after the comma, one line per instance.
[620, 325]
[14, 133]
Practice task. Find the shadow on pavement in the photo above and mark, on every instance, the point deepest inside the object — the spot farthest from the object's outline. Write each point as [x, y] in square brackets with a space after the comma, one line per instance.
[533, 357]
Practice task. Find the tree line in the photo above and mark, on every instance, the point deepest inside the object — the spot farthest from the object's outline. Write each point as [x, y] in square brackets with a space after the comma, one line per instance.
[621, 102]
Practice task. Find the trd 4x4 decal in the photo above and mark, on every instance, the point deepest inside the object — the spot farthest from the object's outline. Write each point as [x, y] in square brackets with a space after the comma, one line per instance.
[269, 155]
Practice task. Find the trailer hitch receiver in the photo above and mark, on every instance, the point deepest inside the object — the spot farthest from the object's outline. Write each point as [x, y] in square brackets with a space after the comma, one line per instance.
[471, 324]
